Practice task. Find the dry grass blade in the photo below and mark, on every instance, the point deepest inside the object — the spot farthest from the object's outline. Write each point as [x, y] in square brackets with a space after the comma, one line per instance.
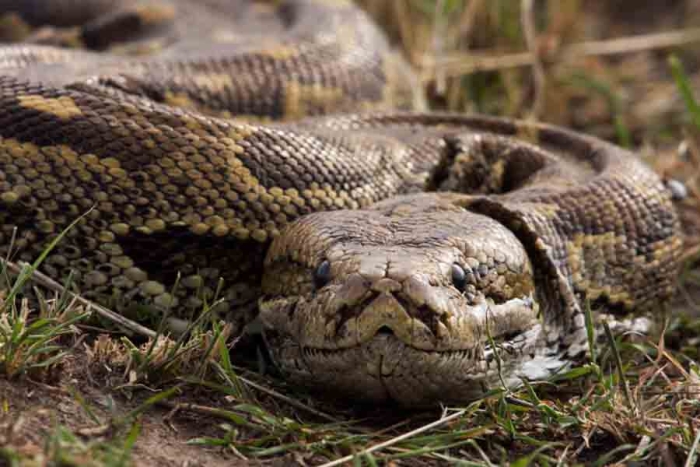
[396, 439]
[289, 400]
[45, 281]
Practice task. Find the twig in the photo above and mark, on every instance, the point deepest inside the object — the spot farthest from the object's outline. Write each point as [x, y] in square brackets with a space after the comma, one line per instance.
[45, 281]
[459, 64]
[527, 19]
[637, 43]
[288, 400]
[197, 408]
[94, 431]
[392, 441]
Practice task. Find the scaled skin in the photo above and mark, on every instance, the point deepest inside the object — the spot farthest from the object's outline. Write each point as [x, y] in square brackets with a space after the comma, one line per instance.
[390, 320]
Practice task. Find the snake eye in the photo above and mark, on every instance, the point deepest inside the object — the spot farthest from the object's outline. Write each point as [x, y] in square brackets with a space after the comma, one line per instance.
[322, 274]
[459, 277]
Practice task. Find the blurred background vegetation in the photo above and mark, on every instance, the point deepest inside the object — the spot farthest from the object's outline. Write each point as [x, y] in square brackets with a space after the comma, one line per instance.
[600, 67]
[602, 64]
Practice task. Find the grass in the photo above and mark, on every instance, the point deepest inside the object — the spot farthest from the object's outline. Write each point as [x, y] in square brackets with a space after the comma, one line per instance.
[25, 345]
[633, 400]
[65, 448]
[685, 88]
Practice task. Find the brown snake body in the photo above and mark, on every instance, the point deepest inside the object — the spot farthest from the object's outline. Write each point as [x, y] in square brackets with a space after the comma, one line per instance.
[453, 241]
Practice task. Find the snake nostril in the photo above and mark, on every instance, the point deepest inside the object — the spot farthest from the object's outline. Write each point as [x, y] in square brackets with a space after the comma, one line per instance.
[423, 313]
[405, 302]
[427, 315]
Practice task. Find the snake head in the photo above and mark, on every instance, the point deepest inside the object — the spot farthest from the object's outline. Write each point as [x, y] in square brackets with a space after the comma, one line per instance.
[408, 301]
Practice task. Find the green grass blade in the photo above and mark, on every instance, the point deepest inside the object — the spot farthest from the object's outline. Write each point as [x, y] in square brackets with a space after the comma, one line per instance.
[685, 88]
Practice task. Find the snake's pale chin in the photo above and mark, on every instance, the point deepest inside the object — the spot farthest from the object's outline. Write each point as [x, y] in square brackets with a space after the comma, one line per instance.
[385, 368]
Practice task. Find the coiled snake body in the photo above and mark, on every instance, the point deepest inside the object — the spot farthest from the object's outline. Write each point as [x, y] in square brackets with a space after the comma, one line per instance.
[392, 255]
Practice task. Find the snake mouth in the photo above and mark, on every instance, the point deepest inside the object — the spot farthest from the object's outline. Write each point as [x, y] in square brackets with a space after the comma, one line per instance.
[388, 354]
[384, 368]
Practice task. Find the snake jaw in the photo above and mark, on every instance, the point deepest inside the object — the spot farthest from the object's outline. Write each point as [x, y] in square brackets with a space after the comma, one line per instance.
[385, 368]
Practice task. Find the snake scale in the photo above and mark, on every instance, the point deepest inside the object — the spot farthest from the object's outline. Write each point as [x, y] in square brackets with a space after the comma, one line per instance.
[389, 254]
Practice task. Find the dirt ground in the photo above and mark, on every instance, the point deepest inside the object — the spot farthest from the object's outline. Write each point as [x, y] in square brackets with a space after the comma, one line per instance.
[33, 411]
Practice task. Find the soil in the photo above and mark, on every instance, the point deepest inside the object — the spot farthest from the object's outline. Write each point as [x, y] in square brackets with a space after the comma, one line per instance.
[33, 410]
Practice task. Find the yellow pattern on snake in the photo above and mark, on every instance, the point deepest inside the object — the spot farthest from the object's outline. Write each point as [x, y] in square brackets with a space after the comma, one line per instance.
[389, 254]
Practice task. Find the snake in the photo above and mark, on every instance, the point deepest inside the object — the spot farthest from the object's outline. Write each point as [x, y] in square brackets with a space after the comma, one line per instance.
[273, 163]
